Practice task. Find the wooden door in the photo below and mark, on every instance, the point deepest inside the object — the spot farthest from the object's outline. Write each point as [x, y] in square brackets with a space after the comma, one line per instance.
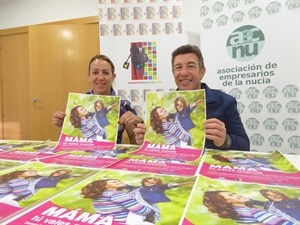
[59, 57]
[15, 101]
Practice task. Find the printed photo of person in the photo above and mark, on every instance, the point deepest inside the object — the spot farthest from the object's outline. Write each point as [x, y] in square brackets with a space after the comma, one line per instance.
[230, 202]
[107, 200]
[282, 205]
[239, 208]
[21, 185]
[100, 115]
[182, 116]
[176, 117]
[172, 134]
[15, 186]
[152, 191]
[80, 118]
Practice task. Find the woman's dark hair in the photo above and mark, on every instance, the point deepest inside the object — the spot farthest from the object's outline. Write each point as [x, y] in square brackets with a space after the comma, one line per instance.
[9, 176]
[74, 117]
[95, 189]
[216, 203]
[105, 58]
[220, 158]
[158, 180]
[155, 121]
[181, 99]
[264, 192]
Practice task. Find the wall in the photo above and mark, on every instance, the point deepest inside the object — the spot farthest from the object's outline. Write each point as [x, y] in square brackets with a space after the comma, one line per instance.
[16, 13]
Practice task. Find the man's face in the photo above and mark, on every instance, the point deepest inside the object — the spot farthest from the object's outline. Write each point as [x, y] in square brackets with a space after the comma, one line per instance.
[187, 72]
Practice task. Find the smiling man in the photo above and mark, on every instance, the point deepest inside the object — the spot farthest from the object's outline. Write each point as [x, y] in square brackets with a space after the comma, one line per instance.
[223, 127]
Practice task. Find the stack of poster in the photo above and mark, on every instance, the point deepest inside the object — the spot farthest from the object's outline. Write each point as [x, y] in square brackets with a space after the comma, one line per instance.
[91, 122]
[86, 178]
[114, 197]
[22, 186]
[245, 188]
[174, 138]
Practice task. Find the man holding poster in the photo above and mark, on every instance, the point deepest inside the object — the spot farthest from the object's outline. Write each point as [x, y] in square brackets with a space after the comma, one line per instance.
[223, 128]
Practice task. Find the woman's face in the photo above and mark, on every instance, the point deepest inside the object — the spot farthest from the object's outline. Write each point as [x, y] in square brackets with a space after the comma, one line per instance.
[114, 184]
[82, 112]
[29, 173]
[61, 172]
[162, 113]
[98, 106]
[101, 77]
[150, 182]
[179, 105]
[273, 196]
[234, 199]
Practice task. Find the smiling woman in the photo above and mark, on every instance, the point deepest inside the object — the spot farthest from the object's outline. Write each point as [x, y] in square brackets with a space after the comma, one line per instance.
[101, 75]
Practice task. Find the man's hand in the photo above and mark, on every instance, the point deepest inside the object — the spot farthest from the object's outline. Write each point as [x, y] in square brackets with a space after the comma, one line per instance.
[139, 133]
[129, 121]
[215, 130]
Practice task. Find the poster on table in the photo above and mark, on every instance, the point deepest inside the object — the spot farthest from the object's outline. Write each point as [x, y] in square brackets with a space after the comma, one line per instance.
[140, 163]
[26, 150]
[114, 197]
[218, 201]
[25, 185]
[265, 168]
[91, 123]
[25, 145]
[255, 58]
[143, 35]
[88, 158]
[175, 125]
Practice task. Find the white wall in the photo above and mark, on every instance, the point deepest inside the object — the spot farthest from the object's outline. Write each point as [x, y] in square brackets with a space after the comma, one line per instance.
[16, 13]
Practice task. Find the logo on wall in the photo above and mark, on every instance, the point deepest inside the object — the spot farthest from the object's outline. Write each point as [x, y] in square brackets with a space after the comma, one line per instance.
[245, 43]
[142, 61]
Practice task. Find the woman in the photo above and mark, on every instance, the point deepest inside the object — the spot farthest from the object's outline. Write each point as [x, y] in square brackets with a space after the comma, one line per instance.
[79, 118]
[182, 117]
[109, 201]
[101, 74]
[239, 208]
[100, 115]
[15, 186]
[152, 192]
[282, 205]
[159, 121]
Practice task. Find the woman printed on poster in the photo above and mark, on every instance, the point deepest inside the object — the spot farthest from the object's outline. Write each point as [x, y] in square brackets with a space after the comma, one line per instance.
[100, 115]
[282, 205]
[14, 186]
[239, 208]
[182, 117]
[160, 123]
[151, 192]
[108, 200]
[80, 118]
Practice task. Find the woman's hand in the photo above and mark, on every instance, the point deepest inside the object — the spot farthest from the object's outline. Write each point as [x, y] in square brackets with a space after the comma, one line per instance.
[58, 119]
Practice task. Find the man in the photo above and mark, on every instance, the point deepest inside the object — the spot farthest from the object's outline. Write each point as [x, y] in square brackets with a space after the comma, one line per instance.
[223, 128]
